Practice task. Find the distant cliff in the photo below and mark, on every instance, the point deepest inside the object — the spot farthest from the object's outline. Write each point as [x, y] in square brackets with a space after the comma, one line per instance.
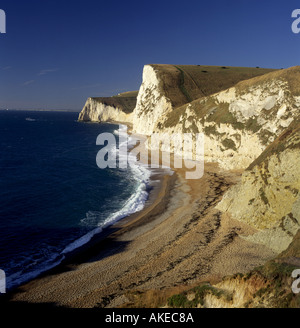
[103, 109]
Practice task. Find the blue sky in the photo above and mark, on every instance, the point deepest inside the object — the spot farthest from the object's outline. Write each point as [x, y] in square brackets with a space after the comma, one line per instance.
[55, 54]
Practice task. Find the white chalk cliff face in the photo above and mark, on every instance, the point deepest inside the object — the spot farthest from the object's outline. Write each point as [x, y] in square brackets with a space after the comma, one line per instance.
[151, 102]
[238, 123]
[96, 111]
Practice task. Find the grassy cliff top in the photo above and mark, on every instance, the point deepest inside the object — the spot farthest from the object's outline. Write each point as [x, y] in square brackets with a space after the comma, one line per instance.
[291, 75]
[184, 83]
[125, 101]
[219, 112]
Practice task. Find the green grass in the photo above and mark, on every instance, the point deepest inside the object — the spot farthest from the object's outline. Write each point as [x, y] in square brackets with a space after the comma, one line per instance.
[185, 83]
[178, 301]
[181, 300]
[207, 80]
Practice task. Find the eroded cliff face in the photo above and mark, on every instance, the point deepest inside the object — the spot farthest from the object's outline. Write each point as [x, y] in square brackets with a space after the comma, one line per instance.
[96, 111]
[257, 289]
[166, 88]
[105, 109]
[268, 195]
[240, 122]
[152, 102]
[253, 125]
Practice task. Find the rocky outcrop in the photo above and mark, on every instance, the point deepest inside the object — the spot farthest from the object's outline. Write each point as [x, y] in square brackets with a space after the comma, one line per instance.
[118, 108]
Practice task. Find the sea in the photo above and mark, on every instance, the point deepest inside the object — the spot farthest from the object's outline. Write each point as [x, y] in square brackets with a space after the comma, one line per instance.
[53, 196]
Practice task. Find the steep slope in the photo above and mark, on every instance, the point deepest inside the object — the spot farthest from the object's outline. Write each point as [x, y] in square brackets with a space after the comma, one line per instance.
[166, 87]
[116, 108]
[268, 195]
[268, 286]
[240, 122]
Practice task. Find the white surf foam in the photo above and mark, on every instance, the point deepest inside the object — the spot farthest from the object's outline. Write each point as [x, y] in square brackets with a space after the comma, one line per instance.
[141, 173]
[20, 277]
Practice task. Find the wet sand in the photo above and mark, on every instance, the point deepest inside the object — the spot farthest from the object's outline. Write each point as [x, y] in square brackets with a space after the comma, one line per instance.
[179, 239]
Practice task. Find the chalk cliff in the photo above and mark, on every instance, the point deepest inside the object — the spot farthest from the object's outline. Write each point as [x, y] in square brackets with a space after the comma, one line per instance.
[251, 121]
[238, 123]
[268, 195]
[104, 109]
[244, 120]
[167, 87]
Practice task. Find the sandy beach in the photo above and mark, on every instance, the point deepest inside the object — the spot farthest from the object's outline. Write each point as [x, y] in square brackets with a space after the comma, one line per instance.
[178, 240]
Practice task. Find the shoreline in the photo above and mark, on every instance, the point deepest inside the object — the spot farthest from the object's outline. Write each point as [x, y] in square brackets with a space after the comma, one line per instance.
[178, 239]
[156, 187]
[106, 242]
[155, 183]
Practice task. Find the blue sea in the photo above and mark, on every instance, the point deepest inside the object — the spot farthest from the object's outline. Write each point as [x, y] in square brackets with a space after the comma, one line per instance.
[53, 196]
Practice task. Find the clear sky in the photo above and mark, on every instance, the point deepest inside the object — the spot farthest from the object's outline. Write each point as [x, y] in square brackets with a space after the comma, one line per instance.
[55, 54]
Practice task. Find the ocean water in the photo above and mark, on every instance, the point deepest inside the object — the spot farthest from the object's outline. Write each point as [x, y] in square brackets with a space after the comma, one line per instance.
[53, 196]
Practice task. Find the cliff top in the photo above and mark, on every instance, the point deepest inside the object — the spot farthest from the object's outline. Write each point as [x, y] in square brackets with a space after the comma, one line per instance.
[291, 75]
[184, 83]
[125, 101]
[210, 109]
